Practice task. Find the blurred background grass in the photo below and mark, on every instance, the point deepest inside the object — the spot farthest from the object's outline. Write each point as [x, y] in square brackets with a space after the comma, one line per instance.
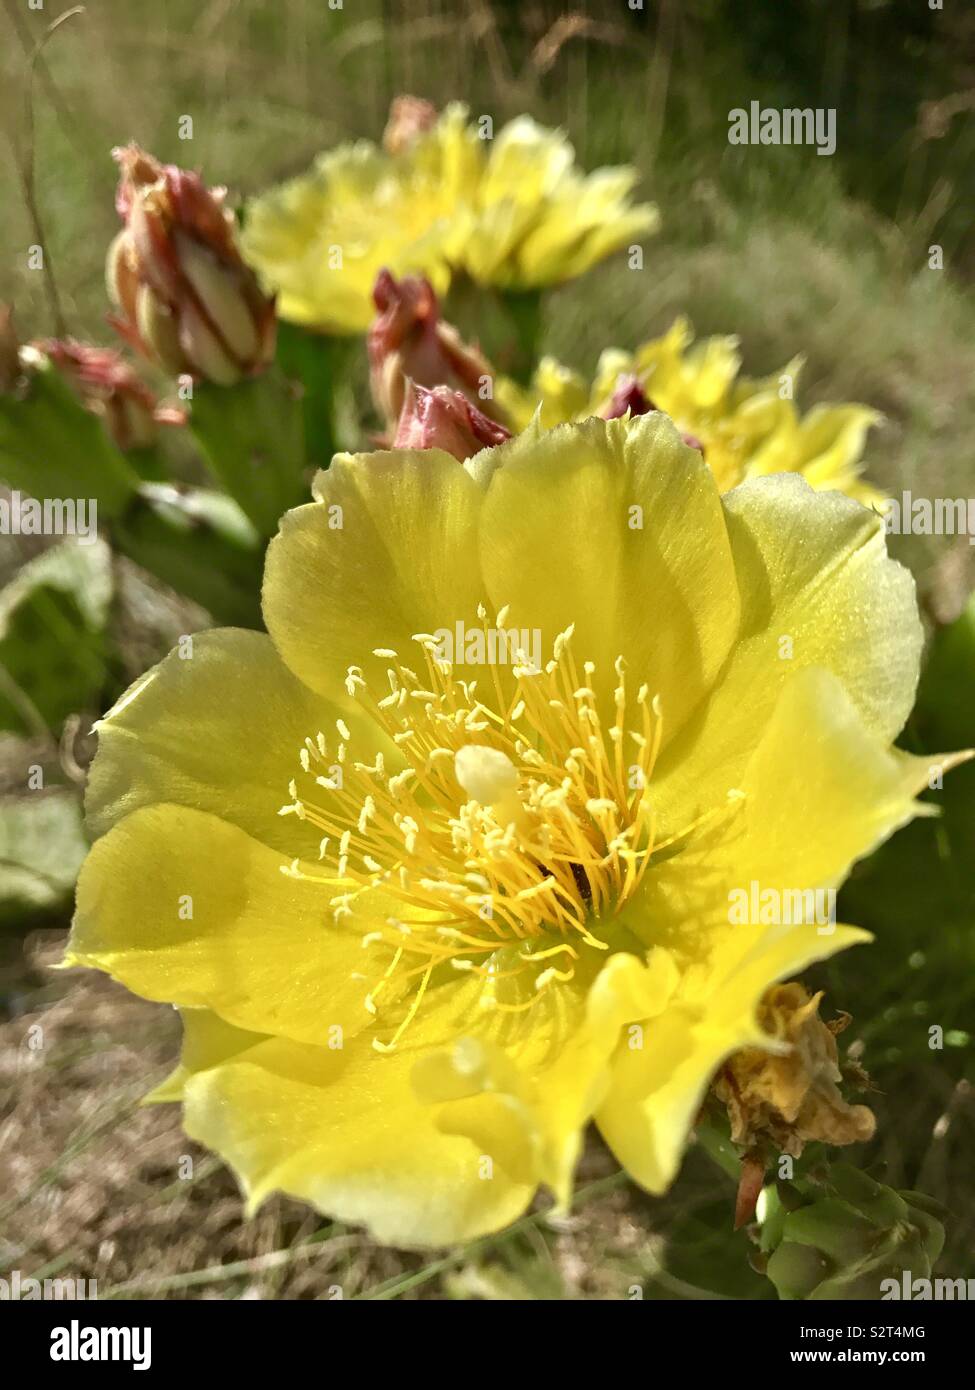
[794, 252]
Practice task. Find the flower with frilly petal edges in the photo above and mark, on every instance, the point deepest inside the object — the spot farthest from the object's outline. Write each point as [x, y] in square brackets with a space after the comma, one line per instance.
[512, 211]
[746, 427]
[429, 901]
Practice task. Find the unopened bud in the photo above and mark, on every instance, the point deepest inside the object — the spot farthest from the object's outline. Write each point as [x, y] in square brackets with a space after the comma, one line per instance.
[186, 299]
[843, 1237]
[445, 419]
[628, 396]
[409, 118]
[108, 387]
[409, 340]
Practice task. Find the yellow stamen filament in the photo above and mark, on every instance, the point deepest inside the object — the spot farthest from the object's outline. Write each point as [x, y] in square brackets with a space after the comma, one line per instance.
[513, 819]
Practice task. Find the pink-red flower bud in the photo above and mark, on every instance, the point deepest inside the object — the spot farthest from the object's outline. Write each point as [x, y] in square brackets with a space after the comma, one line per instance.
[109, 388]
[186, 299]
[628, 396]
[409, 340]
[445, 419]
[409, 118]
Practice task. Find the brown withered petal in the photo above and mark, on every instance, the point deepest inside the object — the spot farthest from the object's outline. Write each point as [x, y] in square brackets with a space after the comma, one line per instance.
[791, 1097]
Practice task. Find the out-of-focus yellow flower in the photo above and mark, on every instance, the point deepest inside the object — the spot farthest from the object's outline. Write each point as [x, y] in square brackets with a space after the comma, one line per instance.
[535, 220]
[532, 729]
[512, 212]
[321, 240]
[746, 427]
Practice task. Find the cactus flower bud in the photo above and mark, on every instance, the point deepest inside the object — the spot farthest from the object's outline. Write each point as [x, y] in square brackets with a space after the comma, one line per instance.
[186, 299]
[630, 396]
[110, 389]
[409, 339]
[409, 117]
[840, 1239]
[445, 419]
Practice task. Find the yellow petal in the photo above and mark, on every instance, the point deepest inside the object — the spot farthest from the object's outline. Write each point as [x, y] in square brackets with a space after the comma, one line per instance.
[616, 527]
[659, 1079]
[526, 1088]
[343, 1130]
[224, 712]
[183, 907]
[820, 792]
[207, 1041]
[817, 589]
[388, 550]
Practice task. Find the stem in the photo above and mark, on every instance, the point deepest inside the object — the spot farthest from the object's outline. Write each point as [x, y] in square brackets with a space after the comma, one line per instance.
[252, 436]
[317, 364]
[524, 311]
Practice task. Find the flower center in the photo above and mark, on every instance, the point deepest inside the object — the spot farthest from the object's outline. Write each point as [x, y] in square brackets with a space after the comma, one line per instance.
[515, 821]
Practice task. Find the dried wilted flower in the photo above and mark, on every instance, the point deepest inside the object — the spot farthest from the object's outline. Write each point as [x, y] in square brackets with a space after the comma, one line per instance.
[186, 299]
[789, 1097]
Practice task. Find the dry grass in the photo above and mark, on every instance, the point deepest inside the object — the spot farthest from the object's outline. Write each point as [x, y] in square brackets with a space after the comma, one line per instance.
[97, 1186]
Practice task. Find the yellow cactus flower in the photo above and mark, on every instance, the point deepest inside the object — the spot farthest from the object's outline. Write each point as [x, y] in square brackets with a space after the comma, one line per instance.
[534, 220]
[745, 426]
[440, 869]
[512, 212]
[321, 239]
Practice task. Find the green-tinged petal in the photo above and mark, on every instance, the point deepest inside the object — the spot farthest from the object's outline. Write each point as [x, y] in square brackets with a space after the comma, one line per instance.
[388, 550]
[220, 707]
[180, 906]
[615, 527]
